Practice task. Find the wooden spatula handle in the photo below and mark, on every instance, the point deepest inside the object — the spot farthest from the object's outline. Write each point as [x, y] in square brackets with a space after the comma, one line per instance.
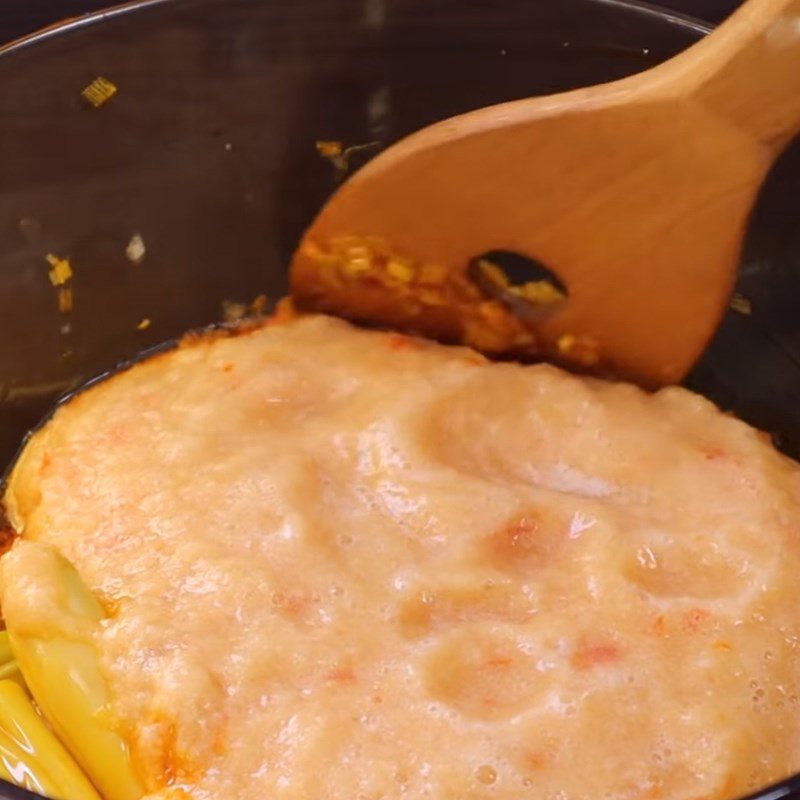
[749, 70]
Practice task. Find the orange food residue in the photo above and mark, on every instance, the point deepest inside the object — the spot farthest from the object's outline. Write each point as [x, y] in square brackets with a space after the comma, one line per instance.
[397, 341]
[659, 627]
[329, 149]
[342, 675]
[594, 655]
[65, 302]
[694, 619]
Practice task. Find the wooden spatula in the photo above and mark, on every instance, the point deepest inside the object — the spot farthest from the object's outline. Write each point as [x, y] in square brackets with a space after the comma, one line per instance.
[635, 194]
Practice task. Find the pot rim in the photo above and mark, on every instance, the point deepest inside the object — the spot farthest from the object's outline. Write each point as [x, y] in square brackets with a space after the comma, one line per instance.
[73, 23]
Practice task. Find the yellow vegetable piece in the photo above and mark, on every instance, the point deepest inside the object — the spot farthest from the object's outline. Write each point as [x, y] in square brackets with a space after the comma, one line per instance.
[99, 91]
[5, 648]
[31, 756]
[10, 671]
[61, 270]
[329, 149]
[57, 657]
[7, 776]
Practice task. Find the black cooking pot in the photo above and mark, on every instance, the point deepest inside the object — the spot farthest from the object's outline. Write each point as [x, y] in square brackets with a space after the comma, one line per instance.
[190, 186]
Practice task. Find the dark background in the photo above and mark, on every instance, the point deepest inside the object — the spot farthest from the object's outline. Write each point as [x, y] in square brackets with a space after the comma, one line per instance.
[18, 17]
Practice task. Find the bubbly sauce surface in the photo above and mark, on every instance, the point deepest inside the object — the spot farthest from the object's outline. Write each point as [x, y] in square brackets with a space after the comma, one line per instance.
[355, 566]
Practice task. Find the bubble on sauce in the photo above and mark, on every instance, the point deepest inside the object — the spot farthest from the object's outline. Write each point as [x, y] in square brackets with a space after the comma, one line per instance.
[369, 721]
[662, 755]
[530, 593]
[758, 698]
[427, 597]
[443, 712]
[792, 641]
[486, 774]
[563, 705]
[646, 558]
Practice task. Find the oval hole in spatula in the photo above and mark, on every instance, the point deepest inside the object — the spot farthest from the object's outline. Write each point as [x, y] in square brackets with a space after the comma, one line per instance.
[523, 284]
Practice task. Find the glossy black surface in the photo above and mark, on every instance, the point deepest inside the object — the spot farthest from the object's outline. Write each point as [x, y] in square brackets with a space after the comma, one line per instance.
[208, 152]
[753, 365]
[21, 17]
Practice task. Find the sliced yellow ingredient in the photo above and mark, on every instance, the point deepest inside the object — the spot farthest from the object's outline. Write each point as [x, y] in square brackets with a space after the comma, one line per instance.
[5, 648]
[31, 755]
[61, 271]
[99, 91]
[10, 671]
[57, 657]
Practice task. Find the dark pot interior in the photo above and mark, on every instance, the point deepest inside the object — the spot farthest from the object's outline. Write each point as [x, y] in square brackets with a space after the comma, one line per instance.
[208, 153]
